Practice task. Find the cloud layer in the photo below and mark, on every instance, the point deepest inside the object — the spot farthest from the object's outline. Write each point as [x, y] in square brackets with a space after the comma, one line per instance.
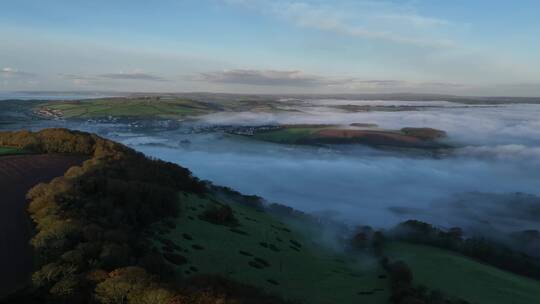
[264, 78]
[300, 79]
[106, 78]
[132, 76]
[8, 72]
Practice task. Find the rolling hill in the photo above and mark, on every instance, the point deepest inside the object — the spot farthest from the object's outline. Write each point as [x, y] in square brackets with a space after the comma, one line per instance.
[123, 228]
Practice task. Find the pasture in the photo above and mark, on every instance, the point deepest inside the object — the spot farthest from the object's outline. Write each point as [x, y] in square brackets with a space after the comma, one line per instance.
[261, 250]
[121, 107]
[462, 277]
[288, 135]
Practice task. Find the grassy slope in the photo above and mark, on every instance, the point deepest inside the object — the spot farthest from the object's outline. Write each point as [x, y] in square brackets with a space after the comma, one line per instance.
[312, 274]
[287, 135]
[132, 107]
[10, 151]
[462, 277]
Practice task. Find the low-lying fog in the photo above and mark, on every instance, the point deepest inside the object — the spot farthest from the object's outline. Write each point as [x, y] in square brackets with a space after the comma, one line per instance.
[499, 154]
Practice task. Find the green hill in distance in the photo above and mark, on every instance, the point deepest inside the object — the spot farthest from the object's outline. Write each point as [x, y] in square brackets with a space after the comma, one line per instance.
[150, 107]
[120, 107]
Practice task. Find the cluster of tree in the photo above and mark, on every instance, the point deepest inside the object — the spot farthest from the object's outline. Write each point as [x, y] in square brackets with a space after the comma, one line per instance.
[479, 248]
[404, 291]
[220, 215]
[58, 141]
[367, 239]
[92, 225]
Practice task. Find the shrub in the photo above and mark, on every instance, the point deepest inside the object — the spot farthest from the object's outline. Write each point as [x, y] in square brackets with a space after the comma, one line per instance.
[220, 215]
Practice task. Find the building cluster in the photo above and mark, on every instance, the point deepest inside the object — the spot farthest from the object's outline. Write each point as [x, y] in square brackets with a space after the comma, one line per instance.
[50, 113]
[236, 130]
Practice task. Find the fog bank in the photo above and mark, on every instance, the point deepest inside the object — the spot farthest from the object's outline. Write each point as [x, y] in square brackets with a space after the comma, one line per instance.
[498, 154]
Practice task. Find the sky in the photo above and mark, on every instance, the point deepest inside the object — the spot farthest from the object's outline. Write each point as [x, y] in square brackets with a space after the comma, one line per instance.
[461, 47]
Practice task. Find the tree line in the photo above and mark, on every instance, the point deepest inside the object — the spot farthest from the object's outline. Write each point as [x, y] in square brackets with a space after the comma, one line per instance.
[94, 224]
[485, 250]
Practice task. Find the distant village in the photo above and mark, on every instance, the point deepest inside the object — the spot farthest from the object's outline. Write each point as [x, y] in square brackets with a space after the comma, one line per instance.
[235, 130]
[55, 114]
[49, 113]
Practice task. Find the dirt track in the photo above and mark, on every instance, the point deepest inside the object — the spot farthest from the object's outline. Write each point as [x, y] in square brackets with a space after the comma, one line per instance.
[17, 175]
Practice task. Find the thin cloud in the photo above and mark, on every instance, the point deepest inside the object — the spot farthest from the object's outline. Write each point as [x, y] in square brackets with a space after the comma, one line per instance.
[294, 78]
[107, 78]
[132, 76]
[414, 19]
[264, 78]
[81, 80]
[77, 77]
[381, 82]
[332, 19]
[14, 73]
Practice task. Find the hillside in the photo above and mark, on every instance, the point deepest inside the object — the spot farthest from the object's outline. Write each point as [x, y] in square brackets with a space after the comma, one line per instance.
[120, 107]
[123, 228]
[463, 277]
[256, 247]
[150, 107]
[99, 227]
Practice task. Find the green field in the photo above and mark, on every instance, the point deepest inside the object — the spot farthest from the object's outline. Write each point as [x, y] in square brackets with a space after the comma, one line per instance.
[287, 135]
[308, 273]
[10, 151]
[151, 107]
[462, 277]
[120, 107]
[369, 135]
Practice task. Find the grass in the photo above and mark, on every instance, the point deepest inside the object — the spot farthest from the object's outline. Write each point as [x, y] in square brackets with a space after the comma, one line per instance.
[463, 277]
[11, 151]
[119, 107]
[287, 135]
[288, 265]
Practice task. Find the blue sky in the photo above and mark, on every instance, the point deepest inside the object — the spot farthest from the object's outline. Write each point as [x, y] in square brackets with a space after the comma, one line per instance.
[473, 47]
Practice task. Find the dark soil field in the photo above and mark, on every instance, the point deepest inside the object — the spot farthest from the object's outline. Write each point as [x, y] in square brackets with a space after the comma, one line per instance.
[17, 175]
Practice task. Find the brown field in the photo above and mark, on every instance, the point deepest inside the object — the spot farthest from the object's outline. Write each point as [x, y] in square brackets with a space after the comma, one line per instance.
[375, 137]
[17, 175]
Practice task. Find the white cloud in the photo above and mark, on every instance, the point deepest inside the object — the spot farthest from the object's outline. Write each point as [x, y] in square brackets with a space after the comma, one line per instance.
[132, 76]
[265, 78]
[82, 80]
[338, 20]
[414, 19]
[318, 83]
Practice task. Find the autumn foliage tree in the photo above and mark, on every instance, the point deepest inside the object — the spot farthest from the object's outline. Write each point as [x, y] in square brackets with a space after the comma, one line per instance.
[92, 226]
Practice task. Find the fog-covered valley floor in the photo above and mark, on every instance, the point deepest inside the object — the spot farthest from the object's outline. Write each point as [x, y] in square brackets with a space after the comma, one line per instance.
[499, 153]
[490, 181]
